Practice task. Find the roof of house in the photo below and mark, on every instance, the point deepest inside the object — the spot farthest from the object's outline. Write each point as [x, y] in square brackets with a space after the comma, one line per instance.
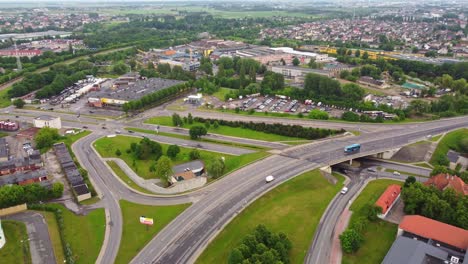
[388, 197]
[46, 117]
[192, 165]
[4, 151]
[428, 228]
[406, 250]
[453, 156]
[443, 181]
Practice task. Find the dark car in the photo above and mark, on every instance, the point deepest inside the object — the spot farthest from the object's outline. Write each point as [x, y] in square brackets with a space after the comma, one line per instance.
[104, 127]
[85, 127]
[130, 131]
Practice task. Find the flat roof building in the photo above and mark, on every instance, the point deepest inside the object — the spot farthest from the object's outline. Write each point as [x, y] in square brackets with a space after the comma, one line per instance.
[47, 121]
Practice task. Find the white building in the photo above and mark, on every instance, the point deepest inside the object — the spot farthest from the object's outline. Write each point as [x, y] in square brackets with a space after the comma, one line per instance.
[2, 236]
[47, 121]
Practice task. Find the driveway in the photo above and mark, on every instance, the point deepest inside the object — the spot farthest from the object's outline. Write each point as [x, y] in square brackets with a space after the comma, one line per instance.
[40, 245]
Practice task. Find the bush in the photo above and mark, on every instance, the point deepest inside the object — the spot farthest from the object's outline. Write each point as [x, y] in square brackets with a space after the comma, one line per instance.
[172, 151]
[317, 114]
[118, 152]
[350, 116]
[351, 240]
[194, 154]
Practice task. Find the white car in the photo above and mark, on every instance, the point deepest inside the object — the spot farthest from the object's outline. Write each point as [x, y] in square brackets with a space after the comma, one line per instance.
[269, 178]
[344, 190]
[396, 173]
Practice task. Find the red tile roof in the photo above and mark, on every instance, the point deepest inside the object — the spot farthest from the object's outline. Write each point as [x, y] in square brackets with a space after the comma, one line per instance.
[443, 181]
[428, 228]
[388, 197]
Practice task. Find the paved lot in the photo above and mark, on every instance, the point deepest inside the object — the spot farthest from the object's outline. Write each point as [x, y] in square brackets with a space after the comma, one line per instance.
[40, 245]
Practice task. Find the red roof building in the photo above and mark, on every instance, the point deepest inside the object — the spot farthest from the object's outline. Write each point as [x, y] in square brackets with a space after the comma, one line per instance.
[443, 181]
[431, 229]
[388, 198]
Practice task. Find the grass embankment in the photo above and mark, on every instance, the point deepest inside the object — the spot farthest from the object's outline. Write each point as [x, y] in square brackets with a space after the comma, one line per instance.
[208, 140]
[124, 177]
[54, 235]
[16, 249]
[449, 141]
[379, 235]
[294, 208]
[107, 147]
[136, 235]
[226, 130]
[4, 99]
[85, 234]
[423, 164]
[435, 138]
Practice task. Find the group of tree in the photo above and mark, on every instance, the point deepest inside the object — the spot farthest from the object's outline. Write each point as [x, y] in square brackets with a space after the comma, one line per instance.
[325, 88]
[11, 195]
[156, 98]
[352, 238]
[46, 137]
[262, 246]
[146, 149]
[278, 129]
[446, 206]
[197, 131]
[164, 70]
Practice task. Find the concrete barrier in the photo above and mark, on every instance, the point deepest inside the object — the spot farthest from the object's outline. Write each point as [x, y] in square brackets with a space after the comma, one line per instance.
[13, 209]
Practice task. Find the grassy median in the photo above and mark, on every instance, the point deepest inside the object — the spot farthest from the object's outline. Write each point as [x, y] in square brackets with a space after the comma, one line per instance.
[226, 130]
[136, 235]
[294, 208]
[124, 177]
[379, 235]
[449, 141]
[16, 249]
[108, 146]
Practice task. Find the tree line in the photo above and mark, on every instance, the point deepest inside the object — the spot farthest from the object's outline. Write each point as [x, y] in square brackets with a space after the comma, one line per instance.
[31, 193]
[278, 129]
[156, 98]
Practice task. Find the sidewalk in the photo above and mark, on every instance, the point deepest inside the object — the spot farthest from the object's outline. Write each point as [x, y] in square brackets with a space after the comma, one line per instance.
[336, 253]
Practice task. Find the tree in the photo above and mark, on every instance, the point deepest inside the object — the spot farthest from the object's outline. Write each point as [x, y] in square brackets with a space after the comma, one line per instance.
[177, 120]
[350, 116]
[46, 137]
[296, 61]
[172, 151]
[357, 53]
[120, 68]
[132, 64]
[438, 169]
[118, 152]
[164, 169]
[351, 240]
[147, 149]
[189, 119]
[464, 145]
[197, 132]
[220, 74]
[410, 180]
[216, 168]
[353, 92]
[235, 257]
[19, 103]
[318, 114]
[207, 125]
[365, 56]
[56, 190]
[419, 106]
[312, 64]
[215, 124]
[194, 154]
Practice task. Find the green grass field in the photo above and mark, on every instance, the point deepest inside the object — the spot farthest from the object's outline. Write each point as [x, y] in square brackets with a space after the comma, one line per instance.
[221, 93]
[208, 140]
[294, 208]
[449, 141]
[135, 235]
[379, 235]
[54, 235]
[124, 177]
[85, 234]
[4, 99]
[106, 147]
[225, 130]
[16, 249]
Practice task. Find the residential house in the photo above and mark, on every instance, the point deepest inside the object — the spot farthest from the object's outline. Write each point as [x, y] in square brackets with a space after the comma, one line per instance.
[388, 199]
[444, 180]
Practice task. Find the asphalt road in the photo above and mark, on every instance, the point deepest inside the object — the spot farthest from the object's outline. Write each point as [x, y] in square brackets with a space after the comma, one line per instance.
[40, 245]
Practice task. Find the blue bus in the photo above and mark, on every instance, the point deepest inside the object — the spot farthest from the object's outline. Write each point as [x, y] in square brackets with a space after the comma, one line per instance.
[352, 148]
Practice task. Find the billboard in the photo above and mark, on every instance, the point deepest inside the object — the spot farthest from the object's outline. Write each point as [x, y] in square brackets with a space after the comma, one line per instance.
[146, 220]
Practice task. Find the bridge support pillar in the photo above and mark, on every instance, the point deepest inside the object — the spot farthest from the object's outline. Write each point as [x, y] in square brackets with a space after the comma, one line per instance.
[351, 162]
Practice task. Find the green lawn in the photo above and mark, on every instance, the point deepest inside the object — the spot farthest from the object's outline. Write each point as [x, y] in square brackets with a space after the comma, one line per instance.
[221, 93]
[208, 140]
[226, 130]
[124, 177]
[4, 99]
[54, 235]
[16, 249]
[85, 234]
[379, 235]
[294, 207]
[449, 141]
[106, 147]
[435, 138]
[135, 235]
[423, 164]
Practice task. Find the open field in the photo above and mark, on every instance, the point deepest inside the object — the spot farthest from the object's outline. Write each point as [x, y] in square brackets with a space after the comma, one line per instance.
[294, 208]
[221, 93]
[16, 249]
[85, 234]
[136, 235]
[449, 141]
[124, 177]
[379, 235]
[226, 130]
[107, 147]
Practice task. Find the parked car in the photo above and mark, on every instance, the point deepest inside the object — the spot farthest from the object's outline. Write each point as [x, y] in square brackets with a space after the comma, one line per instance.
[269, 178]
[344, 190]
[371, 169]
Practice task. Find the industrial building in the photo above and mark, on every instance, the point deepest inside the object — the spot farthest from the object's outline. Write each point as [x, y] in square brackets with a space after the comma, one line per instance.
[47, 121]
[297, 73]
[128, 88]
